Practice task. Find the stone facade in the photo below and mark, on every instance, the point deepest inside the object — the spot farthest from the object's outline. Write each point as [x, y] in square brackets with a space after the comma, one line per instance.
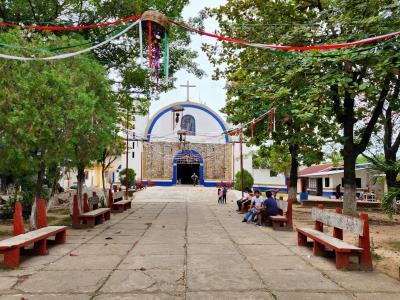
[158, 160]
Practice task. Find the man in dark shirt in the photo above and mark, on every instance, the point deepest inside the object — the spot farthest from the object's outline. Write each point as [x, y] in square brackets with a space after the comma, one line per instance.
[268, 208]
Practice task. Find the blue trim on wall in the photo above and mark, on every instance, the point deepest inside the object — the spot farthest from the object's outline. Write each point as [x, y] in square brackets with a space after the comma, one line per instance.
[266, 188]
[175, 165]
[160, 114]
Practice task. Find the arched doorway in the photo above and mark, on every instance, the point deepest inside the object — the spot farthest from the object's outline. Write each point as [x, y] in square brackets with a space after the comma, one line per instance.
[187, 162]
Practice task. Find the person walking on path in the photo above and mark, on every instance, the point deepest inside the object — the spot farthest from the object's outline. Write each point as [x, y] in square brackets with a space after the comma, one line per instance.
[224, 192]
[194, 178]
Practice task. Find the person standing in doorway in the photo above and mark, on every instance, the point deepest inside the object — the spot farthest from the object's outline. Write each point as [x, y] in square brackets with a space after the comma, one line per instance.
[338, 194]
[194, 178]
[224, 192]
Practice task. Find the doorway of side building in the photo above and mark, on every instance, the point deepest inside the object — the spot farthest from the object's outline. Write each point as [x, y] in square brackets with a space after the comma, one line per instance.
[320, 188]
[185, 172]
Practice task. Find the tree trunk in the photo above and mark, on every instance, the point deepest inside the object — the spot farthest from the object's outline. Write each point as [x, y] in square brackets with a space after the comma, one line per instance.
[38, 193]
[103, 179]
[81, 178]
[294, 167]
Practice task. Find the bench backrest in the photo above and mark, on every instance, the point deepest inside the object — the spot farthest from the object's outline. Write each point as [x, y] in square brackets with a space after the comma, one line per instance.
[340, 221]
[94, 200]
[118, 195]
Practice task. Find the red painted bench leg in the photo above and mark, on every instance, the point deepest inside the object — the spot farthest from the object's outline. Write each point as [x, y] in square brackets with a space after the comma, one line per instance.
[12, 257]
[101, 219]
[61, 237]
[90, 222]
[318, 249]
[301, 239]
[107, 216]
[342, 260]
[40, 247]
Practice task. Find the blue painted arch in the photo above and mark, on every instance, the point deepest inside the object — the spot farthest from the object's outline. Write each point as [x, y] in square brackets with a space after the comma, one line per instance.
[175, 165]
[159, 114]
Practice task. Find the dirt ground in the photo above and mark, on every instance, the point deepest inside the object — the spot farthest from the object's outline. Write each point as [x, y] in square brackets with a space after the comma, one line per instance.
[384, 234]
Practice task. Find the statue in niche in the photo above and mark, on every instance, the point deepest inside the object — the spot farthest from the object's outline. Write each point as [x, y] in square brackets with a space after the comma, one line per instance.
[188, 123]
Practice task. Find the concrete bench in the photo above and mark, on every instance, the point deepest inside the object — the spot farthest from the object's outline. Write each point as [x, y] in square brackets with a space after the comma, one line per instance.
[283, 221]
[116, 202]
[12, 248]
[343, 250]
[88, 218]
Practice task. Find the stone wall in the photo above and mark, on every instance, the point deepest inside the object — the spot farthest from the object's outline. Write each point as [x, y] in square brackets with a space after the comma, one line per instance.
[158, 160]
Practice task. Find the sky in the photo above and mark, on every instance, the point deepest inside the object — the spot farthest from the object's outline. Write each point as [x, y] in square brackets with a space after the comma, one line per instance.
[207, 91]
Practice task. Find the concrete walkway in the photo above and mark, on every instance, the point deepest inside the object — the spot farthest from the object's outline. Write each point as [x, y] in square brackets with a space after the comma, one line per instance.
[177, 243]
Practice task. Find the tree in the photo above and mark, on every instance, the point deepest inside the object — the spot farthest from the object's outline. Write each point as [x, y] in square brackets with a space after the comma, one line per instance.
[351, 85]
[261, 81]
[131, 177]
[109, 155]
[273, 157]
[45, 108]
[248, 181]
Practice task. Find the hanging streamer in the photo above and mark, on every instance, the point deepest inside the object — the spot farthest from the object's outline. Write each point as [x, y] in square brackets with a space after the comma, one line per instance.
[166, 56]
[66, 55]
[274, 119]
[150, 46]
[141, 41]
[252, 128]
[290, 48]
[157, 59]
[70, 28]
[271, 120]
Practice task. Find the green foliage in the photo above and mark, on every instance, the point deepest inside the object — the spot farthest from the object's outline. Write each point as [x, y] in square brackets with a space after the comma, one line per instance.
[273, 157]
[320, 92]
[131, 177]
[389, 204]
[248, 181]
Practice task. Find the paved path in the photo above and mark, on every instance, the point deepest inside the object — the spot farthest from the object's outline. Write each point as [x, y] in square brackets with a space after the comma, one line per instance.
[177, 243]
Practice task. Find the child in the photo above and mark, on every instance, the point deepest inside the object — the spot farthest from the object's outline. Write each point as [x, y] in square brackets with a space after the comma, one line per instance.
[220, 196]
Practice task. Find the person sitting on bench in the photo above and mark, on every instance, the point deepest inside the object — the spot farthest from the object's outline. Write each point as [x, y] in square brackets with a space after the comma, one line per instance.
[256, 202]
[246, 198]
[268, 208]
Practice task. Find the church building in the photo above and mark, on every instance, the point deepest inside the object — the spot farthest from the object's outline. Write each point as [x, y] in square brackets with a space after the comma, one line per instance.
[183, 139]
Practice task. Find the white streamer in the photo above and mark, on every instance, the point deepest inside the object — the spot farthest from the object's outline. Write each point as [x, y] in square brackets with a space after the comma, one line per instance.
[71, 54]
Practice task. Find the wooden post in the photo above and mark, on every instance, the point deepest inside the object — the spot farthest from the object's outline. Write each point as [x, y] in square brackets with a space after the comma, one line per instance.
[75, 213]
[319, 225]
[18, 222]
[364, 243]
[337, 232]
[41, 213]
[86, 207]
[241, 162]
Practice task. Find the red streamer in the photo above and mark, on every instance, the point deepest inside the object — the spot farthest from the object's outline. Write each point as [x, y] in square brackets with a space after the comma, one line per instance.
[70, 28]
[271, 122]
[291, 48]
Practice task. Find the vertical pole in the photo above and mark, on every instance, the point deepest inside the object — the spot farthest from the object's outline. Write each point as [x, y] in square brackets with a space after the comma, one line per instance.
[127, 152]
[241, 161]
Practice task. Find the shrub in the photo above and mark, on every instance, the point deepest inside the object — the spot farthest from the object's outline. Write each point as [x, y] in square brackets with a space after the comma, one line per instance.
[131, 177]
[248, 181]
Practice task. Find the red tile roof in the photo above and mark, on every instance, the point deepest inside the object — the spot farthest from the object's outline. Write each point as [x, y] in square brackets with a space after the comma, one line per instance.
[315, 169]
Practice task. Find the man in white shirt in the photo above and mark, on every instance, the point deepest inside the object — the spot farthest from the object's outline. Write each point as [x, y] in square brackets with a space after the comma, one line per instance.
[256, 202]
